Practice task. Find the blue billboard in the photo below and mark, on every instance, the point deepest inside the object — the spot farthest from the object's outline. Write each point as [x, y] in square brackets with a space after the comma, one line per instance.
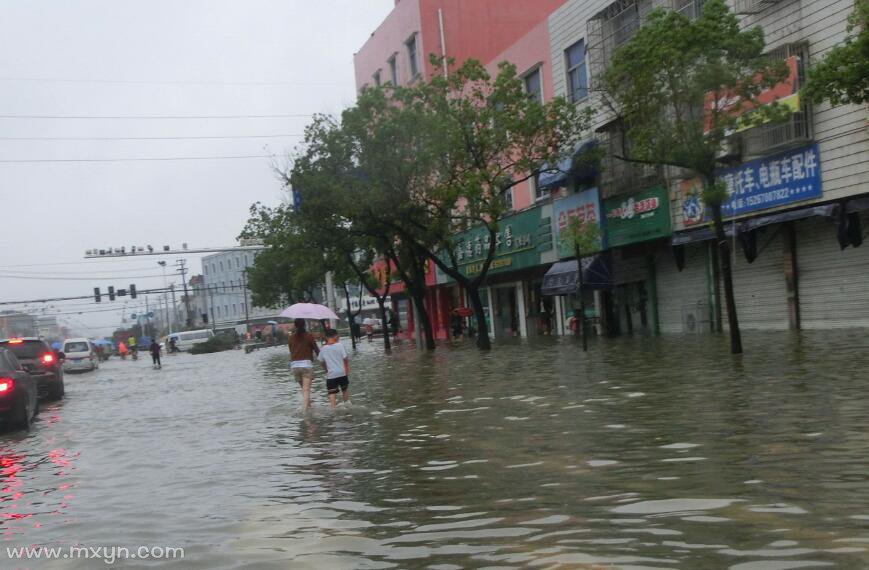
[784, 178]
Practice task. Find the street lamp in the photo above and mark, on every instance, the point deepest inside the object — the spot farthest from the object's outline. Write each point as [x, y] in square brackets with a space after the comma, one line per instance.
[162, 265]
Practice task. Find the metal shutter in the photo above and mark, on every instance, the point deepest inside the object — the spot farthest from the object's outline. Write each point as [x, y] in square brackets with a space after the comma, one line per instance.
[833, 283]
[683, 296]
[759, 287]
[629, 270]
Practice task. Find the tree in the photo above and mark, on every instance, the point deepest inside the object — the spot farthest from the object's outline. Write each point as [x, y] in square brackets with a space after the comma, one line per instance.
[287, 271]
[678, 89]
[479, 136]
[583, 239]
[843, 75]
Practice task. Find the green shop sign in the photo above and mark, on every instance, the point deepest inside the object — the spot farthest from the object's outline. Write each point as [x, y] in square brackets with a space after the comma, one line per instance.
[641, 217]
[517, 245]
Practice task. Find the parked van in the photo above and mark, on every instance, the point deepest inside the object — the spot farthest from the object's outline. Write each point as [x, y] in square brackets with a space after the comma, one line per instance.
[79, 354]
[185, 340]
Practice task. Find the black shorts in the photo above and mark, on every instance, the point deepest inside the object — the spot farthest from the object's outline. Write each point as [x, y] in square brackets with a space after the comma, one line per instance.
[332, 384]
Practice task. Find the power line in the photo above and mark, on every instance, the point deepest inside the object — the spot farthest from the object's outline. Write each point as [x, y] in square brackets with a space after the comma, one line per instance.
[101, 278]
[162, 117]
[58, 273]
[170, 82]
[179, 138]
[137, 159]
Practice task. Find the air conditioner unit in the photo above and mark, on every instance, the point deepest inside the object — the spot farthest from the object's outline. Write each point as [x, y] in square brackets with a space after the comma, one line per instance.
[696, 318]
[753, 6]
[730, 150]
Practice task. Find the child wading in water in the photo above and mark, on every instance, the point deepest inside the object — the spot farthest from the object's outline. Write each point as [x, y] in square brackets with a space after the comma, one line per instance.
[337, 365]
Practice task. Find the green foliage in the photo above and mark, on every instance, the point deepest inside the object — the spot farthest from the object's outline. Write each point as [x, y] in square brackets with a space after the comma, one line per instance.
[214, 344]
[289, 269]
[843, 75]
[581, 237]
[661, 85]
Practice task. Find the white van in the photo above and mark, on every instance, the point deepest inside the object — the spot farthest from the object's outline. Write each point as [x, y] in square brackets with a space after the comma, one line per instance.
[185, 340]
[79, 354]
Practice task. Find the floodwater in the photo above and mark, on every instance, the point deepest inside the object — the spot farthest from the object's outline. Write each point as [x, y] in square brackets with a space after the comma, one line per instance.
[644, 453]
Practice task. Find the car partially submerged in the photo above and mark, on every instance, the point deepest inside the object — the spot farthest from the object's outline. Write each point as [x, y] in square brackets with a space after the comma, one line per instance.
[39, 361]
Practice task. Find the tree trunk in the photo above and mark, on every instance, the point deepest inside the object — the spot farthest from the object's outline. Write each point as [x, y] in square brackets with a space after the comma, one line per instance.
[381, 303]
[727, 276]
[424, 321]
[350, 317]
[581, 320]
[483, 340]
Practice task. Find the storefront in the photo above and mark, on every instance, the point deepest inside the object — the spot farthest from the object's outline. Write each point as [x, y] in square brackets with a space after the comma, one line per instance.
[508, 291]
[792, 268]
[637, 228]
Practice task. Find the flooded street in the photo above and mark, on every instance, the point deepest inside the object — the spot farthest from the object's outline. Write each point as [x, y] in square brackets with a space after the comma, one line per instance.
[646, 453]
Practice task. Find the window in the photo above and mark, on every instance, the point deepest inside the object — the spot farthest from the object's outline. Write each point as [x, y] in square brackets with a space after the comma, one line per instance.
[226, 310]
[245, 260]
[221, 266]
[218, 311]
[577, 75]
[393, 70]
[411, 56]
[237, 262]
[234, 309]
[376, 78]
[533, 86]
[508, 198]
[213, 268]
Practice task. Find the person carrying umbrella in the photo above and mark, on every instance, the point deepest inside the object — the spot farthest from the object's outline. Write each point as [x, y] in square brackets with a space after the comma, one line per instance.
[303, 347]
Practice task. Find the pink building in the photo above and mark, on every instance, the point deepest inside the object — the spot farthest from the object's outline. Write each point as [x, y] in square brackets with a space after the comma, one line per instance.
[399, 48]
[532, 57]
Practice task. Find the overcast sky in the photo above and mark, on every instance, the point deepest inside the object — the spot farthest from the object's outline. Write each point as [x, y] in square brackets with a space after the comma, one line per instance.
[119, 58]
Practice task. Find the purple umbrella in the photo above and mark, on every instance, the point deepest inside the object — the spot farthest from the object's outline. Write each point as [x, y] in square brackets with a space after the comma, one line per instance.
[310, 311]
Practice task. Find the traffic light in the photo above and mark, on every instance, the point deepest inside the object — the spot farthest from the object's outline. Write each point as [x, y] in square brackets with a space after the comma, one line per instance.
[97, 296]
[132, 291]
[111, 293]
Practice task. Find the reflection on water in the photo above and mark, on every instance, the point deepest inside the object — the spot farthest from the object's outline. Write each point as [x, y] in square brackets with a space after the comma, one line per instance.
[644, 453]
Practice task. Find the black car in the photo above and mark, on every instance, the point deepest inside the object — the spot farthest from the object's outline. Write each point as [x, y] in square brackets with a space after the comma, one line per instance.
[44, 364]
[18, 396]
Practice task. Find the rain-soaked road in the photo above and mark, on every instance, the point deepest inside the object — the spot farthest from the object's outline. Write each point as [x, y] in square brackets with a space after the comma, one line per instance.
[646, 454]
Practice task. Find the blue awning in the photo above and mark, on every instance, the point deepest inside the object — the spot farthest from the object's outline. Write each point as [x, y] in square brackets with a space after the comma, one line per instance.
[570, 167]
[561, 277]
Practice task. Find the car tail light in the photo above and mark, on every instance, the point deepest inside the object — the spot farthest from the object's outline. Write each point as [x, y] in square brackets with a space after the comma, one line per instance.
[48, 358]
[6, 385]
[16, 340]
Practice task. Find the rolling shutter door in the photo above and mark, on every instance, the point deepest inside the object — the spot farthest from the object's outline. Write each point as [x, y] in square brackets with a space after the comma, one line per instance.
[833, 283]
[759, 287]
[683, 296]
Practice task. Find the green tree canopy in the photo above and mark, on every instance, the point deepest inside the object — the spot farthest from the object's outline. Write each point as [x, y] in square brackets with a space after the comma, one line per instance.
[843, 75]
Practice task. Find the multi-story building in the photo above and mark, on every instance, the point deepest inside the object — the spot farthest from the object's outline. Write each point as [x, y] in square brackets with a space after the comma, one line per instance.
[399, 51]
[798, 188]
[224, 291]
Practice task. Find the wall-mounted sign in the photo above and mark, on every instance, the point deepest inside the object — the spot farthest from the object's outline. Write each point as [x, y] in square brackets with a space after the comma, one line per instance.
[641, 217]
[515, 245]
[785, 178]
[583, 205]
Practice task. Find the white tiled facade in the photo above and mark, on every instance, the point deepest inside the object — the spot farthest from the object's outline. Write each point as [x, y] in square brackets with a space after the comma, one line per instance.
[224, 292]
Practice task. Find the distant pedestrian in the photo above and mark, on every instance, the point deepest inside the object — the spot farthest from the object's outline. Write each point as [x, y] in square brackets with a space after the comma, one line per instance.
[155, 353]
[122, 350]
[337, 364]
[303, 347]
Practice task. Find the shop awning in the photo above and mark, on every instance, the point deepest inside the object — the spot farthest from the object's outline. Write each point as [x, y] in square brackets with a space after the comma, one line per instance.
[826, 211]
[857, 205]
[553, 176]
[561, 277]
[697, 236]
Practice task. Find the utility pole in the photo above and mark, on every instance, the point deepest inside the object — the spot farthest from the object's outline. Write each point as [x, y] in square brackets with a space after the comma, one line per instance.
[244, 292]
[182, 269]
[162, 265]
[211, 305]
[174, 305]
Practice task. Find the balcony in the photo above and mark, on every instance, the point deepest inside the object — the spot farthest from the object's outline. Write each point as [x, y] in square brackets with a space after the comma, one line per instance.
[753, 6]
